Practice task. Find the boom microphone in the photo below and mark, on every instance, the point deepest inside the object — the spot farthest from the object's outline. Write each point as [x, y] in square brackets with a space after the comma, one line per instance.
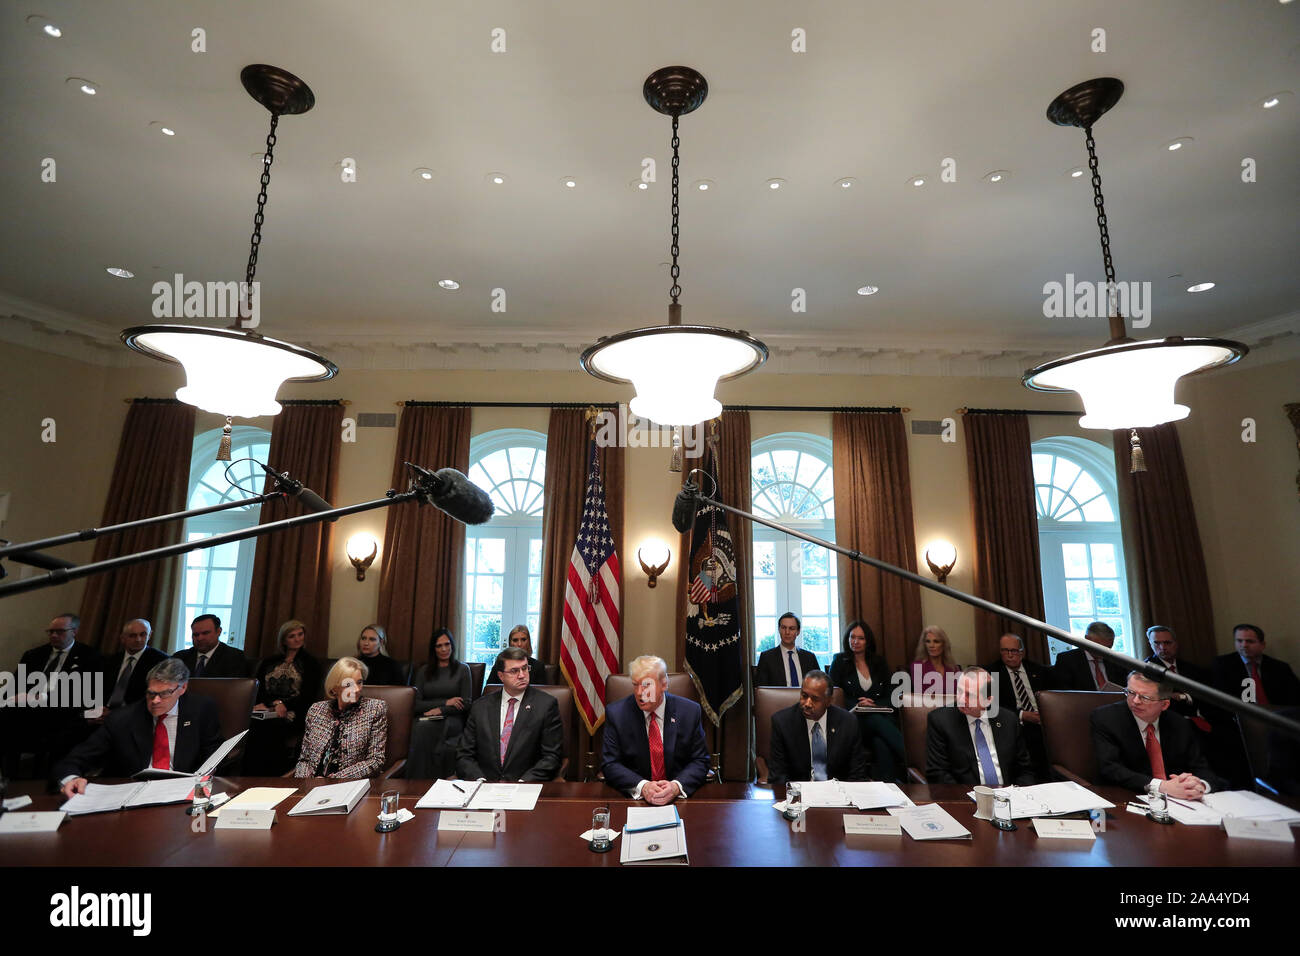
[451, 492]
[296, 489]
[687, 503]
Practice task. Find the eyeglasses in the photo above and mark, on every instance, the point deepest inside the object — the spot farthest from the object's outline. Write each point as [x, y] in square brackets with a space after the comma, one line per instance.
[1134, 695]
[59, 630]
[161, 694]
[518, 671]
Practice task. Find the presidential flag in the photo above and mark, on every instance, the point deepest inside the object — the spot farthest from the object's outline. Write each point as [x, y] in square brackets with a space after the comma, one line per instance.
[589, 645]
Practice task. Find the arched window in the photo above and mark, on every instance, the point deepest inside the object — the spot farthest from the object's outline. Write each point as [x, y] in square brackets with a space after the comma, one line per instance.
[216, 580]
[790, 475]
[1080, 545]
[503, 558]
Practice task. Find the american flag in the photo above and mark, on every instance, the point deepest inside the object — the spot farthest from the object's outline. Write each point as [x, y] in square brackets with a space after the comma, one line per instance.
[589, 645]
[704, 588]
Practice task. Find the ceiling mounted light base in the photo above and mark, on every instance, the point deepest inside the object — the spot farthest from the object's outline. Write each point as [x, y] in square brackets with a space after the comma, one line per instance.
[675, 90]
[1085, 103]
[1131, 384]
[278, 90]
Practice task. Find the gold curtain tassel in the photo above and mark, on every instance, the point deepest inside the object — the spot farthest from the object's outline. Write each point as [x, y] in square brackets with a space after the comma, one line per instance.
[675, 463]
[223, 452]
[1138, 461]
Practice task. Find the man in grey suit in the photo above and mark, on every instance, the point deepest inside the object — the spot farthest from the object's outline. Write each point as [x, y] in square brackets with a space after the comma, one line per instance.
[209, 657]
[513, 735]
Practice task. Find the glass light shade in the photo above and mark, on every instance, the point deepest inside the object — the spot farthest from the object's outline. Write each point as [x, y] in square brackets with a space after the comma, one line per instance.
[654, 552]
[675, 368]
[362, 547]
[942, 553]
[1131, 384]
[229, 371]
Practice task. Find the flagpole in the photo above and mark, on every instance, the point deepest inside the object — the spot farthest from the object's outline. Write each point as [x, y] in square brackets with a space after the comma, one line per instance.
[1152, 671]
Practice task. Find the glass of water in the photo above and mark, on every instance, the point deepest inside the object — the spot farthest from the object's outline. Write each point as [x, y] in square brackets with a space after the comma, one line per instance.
[1157, 805]
[387, 812]
[202, 798]
[1002, 811]
[793, 801]
[601, 837]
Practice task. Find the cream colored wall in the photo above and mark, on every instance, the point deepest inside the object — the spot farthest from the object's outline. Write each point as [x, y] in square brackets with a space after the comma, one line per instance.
[61, 486]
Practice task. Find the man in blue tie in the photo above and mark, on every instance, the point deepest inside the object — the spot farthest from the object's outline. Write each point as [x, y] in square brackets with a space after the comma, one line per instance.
[976, 742]
[785, 665]
[813, 740]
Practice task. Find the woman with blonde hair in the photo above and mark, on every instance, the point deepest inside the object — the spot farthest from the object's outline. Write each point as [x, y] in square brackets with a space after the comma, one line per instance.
[346, 734]
[372, 650]
[933, 657]
[287, 683]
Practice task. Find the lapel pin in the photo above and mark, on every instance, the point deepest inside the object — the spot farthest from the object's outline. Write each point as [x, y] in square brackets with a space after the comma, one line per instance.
[186, 724]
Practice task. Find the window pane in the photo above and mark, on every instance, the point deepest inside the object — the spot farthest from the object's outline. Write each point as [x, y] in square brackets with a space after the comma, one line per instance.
[1066, 472]
[1079, 624]
[765, 558]
[225, 555]
[813, 598]
[1042, 469]
[1076, 560]
[1078, 597]
[765, 598]
[764, 634]
[221, 587]
[1086, 487]
[534, 593]
[195, 583]
[814, 560]
[196, 559]
[1098, 510]
[815, 637]
[1117, 624]
[1107, 596]
[1103, 560]
[535, 556]
[491, 556]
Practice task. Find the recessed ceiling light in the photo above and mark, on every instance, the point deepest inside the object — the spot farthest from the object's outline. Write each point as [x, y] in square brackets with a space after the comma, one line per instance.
[422, 173]
[916, 180]
[166, 131]
[642, 185]
[569, 182]
[1178, 143]
[1076, 172]
[703, 185]
[846, 182]
[38, 22]
[51, 30]
[775, 183]
[868, 290]
[1201, 287]
[120, 272]
[639, 184]
[998, 175]
[83, 84]
[451, 285]
[1274, 99]
[496, 179]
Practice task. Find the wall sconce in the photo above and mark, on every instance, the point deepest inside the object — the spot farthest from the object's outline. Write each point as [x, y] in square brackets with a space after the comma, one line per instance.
[362, 548]
[654, 557]
[941, 556]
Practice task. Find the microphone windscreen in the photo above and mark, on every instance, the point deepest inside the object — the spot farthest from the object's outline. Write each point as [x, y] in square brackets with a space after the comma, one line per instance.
[685, 506]
[312, 501]
[461, 498]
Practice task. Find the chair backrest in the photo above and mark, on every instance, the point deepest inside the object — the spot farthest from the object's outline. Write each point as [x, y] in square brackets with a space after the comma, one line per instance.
[476, 669]
[618, 686]
[913, 721]
[401, 708]
[767, 701]
[1254, 738]
[234, 697]
[564, 697]
[1067, 732]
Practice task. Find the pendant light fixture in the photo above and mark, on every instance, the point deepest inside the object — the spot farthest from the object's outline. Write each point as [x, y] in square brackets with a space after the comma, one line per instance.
[675, 367]
[237, 371]
[1124, 383]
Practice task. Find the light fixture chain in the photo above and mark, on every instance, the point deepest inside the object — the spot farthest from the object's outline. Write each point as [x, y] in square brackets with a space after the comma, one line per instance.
[676, 271]
[259, 217]
[1100, 203]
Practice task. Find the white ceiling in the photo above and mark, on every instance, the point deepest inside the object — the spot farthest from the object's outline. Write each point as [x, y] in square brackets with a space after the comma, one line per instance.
[884, 91]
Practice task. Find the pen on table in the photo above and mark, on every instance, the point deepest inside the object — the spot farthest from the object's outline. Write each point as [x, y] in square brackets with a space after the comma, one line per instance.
[1180, 803]
[458, 787]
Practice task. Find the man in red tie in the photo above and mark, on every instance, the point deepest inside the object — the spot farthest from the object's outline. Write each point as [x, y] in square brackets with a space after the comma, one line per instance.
[166, 730]
[654, 746]
[1140, 742]
[1080, 669]
[1251, 674]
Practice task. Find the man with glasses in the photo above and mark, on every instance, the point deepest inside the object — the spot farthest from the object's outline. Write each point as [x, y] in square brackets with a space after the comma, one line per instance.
[515, 734]
[166, 730]
[1140, 742]
[1019, 682]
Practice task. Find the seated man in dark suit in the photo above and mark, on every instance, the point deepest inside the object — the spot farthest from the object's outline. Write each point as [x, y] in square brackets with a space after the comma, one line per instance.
[785, 664]
[1078, 669]
[654, 746]
[1140, 743]
[126, 672]
[813, 740]
[515, 734]
[1251, 674]
[209, 657]
[975, 742]
[521, 638]
[167, 730]
[1019, 680]
[1164, 650]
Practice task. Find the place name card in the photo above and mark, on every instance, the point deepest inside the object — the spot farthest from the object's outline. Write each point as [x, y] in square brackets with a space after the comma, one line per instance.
[1275, 830]
[1057, 829]
[238, 818]
[468, 821]
[36, 822]
[875, 825]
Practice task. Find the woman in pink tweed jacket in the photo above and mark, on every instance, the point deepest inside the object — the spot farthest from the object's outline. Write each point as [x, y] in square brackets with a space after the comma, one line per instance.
[345, 735]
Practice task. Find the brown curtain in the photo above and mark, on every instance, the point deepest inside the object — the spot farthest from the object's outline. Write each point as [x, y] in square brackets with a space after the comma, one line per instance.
[150, 478]
[735, 452]
[566, 487]
[424, 549]
[873, 514]
[1168, 583]
[1001, 473]
[292, 568]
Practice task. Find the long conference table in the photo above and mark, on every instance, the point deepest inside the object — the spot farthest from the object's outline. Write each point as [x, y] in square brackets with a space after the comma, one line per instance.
[727, 824]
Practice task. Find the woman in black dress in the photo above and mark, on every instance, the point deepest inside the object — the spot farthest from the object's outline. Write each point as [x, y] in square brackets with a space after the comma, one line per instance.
[442, 699]
[865, 679]
[287, 684]
[372, 650]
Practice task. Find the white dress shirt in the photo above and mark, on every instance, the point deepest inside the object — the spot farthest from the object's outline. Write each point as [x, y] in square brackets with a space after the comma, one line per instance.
[134, 660]
[1142, 733]
[659, 716]
[987, 728]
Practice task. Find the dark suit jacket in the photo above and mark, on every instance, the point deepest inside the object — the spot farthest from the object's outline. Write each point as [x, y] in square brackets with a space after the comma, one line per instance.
[226, 661]
[950, 754]
[1280, 682]
[64, 720]
[123, 745]
[626, 751]
[844, 675]
[1073, 672]
[1122, 753]
[1186, 669]
[81, 657]
[136, 684]
[536, 742]
[791, 754]
[1040, 678]
[772, 671]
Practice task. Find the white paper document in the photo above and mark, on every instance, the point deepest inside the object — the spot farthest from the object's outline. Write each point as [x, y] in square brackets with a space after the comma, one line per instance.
[653, 835]
[31, 822]
[331, 798]
[1250, 805]
[823, 793]
[1274, 831]
[506, 796]
[1051, 799]
[256, 798]
[155, 792]
[100, 798]
[1192, 813]
[929, 822]
[1064, 829]
[448, 795]
[209, 765]
[872, 795]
